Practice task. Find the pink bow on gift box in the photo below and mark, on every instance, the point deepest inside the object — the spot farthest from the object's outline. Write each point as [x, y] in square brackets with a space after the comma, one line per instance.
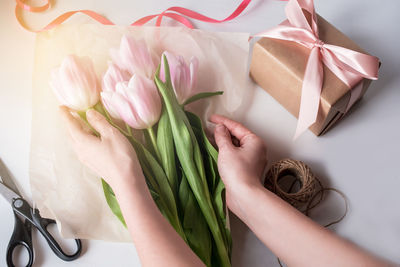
[348, 65]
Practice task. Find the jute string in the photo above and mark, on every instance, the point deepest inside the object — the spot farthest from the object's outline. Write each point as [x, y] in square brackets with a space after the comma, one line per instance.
[310, 191]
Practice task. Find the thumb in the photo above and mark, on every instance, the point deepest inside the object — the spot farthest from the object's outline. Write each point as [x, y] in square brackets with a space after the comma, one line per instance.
[98, 122]
[222, 137]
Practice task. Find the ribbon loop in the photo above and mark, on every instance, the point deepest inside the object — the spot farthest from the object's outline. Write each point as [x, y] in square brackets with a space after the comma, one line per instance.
[30, 8]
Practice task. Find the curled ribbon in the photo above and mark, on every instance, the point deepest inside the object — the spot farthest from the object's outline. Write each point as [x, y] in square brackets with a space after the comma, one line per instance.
[176, 13]
[348, 65]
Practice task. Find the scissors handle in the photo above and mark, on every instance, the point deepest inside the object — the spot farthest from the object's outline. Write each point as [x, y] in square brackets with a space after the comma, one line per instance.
[33, 217]
[21, 236]
[41, 224]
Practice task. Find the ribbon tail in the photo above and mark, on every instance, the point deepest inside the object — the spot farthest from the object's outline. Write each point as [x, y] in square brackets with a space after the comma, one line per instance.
[310, 92]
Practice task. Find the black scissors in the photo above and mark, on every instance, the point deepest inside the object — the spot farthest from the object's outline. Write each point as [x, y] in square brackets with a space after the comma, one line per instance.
[25, 218]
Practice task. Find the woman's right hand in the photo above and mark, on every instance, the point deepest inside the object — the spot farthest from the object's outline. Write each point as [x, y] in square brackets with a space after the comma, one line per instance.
[241, 167]
[110, 156]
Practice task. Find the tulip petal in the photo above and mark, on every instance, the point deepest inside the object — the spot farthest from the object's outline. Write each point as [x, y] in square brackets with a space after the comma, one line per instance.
[194, 66]
[107, 100]
[143, 95]
[122, 88]
[75, 83]
[183, 77]
[126, 111]
[137, 102]
[134, 56]
[112, 76]
[116, 59]
[91, 82]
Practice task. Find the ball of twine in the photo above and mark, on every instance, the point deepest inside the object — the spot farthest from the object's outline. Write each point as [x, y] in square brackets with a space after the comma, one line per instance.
[301, 174]
[310, 187]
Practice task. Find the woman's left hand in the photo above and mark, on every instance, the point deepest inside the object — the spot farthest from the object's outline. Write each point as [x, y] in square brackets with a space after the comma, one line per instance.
[111, 155]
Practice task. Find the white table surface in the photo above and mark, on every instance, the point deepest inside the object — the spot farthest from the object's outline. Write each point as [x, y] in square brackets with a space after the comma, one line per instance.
[359, 156]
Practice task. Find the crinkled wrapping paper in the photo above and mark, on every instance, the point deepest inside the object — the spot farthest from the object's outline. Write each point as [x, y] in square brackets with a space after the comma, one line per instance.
[64, 189]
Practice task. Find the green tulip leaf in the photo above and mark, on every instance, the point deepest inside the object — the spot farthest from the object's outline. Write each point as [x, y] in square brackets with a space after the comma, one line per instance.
[201, 95]
[211, 160]
[159, 183]
[194, 224]
[165, 144]
[112, 201]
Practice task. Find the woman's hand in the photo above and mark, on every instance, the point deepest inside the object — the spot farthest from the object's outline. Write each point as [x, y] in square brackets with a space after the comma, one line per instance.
[110, 156]
[242, 166]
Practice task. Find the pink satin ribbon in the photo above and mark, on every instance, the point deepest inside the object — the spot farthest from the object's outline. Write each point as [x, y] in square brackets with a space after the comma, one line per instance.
[348, 65]
[179, 14]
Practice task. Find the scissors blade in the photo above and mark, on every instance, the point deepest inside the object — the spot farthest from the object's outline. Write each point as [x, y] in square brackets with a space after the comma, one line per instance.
[6, 178]
[7, 187]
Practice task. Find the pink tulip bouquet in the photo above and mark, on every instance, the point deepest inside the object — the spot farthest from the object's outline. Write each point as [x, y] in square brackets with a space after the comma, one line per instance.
[147, 104]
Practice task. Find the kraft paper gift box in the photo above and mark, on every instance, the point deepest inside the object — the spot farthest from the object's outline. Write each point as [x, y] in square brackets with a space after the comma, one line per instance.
[278, 67]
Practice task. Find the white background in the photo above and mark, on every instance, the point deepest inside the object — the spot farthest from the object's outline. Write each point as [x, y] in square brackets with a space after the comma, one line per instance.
[359, 156]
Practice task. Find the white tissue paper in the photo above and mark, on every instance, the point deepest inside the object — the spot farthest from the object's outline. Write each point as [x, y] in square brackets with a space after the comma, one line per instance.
[64, 189]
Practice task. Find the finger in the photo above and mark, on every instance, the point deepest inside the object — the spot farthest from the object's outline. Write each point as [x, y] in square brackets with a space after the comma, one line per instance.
[77, 133]
[99, 123]
[222, 137]
[236, 129]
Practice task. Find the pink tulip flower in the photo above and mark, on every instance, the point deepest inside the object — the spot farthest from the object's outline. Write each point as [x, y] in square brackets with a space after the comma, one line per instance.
[183, 77]
[113, 76]
[137, 102]
[108, 100]
[134, 57]
[75, 83]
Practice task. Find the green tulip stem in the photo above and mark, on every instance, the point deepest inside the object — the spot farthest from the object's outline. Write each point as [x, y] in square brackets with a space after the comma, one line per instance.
[110, 120]
[119, 128]
[153, 139]
[82, 114]
[128, 128]
[102, 110]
